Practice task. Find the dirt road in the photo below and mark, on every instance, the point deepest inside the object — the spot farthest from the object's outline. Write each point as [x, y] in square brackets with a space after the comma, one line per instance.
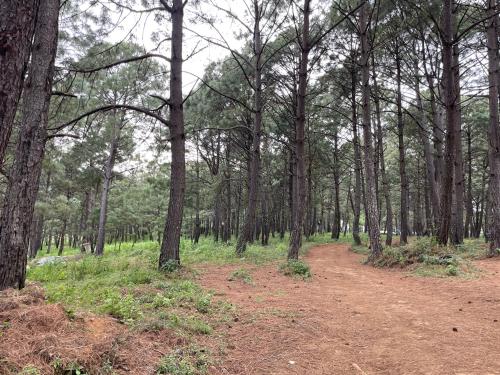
[354, 319]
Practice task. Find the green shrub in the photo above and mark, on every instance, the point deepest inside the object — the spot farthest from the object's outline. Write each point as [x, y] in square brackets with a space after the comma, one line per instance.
[452, 270]
[295, 268]
[203, 303]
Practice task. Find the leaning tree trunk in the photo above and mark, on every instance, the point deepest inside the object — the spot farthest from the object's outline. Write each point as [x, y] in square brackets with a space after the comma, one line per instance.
[494, 128]
[23, 184]
[247, 231]
[296, 235]
[451, 120]
[106, 185]
[17, 24]
[370, 191]
[169, 251]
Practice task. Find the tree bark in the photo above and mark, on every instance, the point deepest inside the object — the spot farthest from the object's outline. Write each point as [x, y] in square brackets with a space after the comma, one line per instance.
[469, 208]
[494, 127]
[385, 181]
[169, 251]
[450, 104]
[404, 207]
[106, 185]
[336, 182]
[457, 234]
[357, 160]
[17, 24]
[429, 162]
[246, 234]
[296, 235]
[370, 191]
[23, 185]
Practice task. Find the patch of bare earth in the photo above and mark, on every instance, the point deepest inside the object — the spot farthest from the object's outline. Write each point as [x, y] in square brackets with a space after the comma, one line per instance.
[34, 333]
[355, 319]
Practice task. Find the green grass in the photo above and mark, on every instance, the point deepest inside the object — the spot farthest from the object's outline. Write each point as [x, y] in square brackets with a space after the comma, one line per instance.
[126, 283]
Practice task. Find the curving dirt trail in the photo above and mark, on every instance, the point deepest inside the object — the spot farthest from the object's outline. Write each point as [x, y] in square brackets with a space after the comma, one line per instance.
[354, 319]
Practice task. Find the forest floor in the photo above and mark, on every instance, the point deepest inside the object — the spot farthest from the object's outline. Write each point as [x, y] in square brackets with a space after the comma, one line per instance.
[351, 318]
[348, 318]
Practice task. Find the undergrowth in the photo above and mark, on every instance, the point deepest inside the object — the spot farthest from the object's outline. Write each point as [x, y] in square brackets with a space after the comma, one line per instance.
[125, 283]
[424, 257]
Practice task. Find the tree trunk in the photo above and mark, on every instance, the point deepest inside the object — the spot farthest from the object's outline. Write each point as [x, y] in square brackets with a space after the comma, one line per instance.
[469, 208]
[429, 162]
[17, 24]
[106, 185]
[357, 159]
[169, 251]
[385, 181]
[197, 221]
[23, 185]
[247, 231]
[494, 127]
[336, 182]
[296, 235]
[450, 104]
[404, 207]
[457, 234]
[370, 191]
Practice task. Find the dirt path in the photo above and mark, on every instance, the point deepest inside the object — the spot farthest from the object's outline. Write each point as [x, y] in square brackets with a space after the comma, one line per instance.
[354, 319]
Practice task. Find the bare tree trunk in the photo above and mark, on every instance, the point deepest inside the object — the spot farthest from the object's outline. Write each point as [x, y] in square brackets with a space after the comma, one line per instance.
[450, 104]
[106, 185]
[336, 182]
[17, 24]
[197, 221]
[247, 231]
[296, 235]
[370, 192]
[23, 185]
[169, 251]
[357, 160]
[429, 162]
[385, 181]
[469, 208]
[457, 234]
[494, 127]
[404, 207]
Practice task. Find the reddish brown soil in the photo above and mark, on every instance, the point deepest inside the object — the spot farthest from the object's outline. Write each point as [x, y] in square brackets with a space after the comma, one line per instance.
[34, 333]
[355, 319]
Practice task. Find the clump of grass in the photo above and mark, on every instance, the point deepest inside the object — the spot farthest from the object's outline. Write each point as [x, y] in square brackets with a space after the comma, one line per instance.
[188, 361]
[241, 274]
[426, 258]
[295, 268]
[125, 308]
